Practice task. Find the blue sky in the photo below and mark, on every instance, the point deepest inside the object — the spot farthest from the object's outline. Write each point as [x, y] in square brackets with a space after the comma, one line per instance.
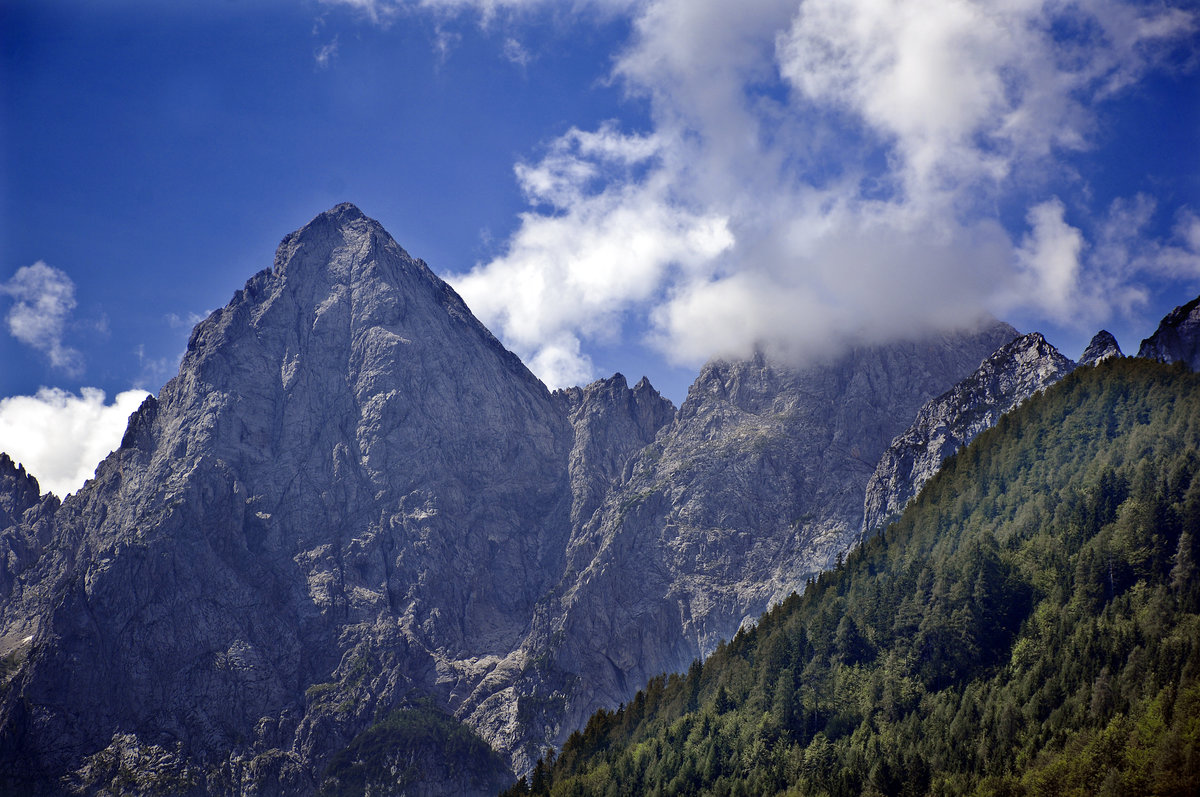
[613, 185]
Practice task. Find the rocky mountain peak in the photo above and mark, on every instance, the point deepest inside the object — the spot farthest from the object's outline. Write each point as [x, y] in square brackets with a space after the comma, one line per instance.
[1102, 346]
[19, 491]
[1011, 374]
[612, 422]
[1177, 338]
[349, 474]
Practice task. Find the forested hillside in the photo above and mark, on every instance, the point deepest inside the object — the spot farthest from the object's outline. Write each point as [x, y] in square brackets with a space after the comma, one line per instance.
[1031, 625]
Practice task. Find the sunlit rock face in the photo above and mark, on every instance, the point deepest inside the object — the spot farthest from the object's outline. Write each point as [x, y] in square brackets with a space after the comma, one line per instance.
[1177, 339]
[945, 424]
[350, 482]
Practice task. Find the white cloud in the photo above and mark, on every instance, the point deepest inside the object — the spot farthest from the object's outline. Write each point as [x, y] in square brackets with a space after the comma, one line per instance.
[830, 171]
[185, 322]
[515, 52]
[61, 437]
[1074, 281]
[326, 54]
[379, 12]
[968, 91]
[572, 273]
[44, 298]
[1050, 257]
[384, 12]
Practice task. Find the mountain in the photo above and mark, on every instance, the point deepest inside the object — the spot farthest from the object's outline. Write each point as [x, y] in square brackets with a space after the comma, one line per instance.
[1102, 346]
[350, 498]
[611, 423]
[19, 492]
[354, 522]
[1030, 625]
[1008, 377]
[1177, 339]
[24, 527]
[755, 486]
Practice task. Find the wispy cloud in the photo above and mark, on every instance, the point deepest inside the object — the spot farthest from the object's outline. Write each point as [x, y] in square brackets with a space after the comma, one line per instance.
[326, 54]
[186, 321]
[44, 298]
[61, 437]
[379, 12]
[516, 53]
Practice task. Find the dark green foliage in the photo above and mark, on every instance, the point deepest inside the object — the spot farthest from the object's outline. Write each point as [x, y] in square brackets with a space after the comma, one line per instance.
[410, 747]
[1029, 626]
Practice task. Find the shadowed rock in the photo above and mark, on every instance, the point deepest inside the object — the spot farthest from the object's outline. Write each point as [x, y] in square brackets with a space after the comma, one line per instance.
[947, 423]
[1177, 339]
[1102, 346]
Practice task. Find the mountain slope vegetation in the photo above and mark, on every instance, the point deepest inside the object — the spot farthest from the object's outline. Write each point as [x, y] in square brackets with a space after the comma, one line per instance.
[1030, 625]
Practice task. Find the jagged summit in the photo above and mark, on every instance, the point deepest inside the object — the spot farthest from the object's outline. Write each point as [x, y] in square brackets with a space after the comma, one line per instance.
[1102, 346]
[1177, 338]
[18, 491]
[1013, 373]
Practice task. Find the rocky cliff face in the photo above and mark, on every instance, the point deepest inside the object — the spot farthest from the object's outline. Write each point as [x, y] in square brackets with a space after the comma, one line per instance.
[1102, 346]
[1177, 339]
[611, 423]
[354, 505]
[755, 486]
[26, 519]
[349, 484]
[1006, 378]
[19, 492]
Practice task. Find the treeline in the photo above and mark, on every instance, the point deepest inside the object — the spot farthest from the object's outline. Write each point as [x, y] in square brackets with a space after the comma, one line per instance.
[1030, 626]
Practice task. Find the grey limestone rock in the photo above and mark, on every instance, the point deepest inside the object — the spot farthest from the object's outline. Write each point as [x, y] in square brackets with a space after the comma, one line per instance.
[1008, 377]
[1177, 339]
[19, 491]
[612, 423]
[755, 486]
[1102, 346]
[25, 521]
[350, 483]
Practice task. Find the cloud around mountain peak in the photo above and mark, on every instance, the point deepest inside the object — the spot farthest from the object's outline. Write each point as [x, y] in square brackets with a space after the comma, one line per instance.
[824, 172]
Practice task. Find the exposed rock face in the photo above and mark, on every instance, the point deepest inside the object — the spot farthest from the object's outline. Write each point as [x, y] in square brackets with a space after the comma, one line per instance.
[947, 423]
[1177, 339]
[756, 485]
[612, 423]
[1101, 347]
[19, 491]
[304, 504]
[25, 522]
[353, 503]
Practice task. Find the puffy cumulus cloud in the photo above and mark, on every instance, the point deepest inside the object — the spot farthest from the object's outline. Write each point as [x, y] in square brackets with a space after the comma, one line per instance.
[571, 273]
[1073, 280]
[61, 437]
[967, 91]
[1050, 257]
[826, 172]
[43, 298]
